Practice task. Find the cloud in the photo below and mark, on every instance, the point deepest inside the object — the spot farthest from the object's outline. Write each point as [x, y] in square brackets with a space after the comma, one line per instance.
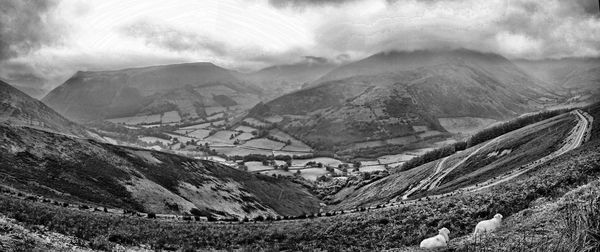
[26, 25]
[173, 39]
[55, 39]
[516, 28]
[306, 3]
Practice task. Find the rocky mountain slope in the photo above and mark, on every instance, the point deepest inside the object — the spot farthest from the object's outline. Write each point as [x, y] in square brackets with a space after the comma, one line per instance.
[187, 88]
[398, 94]
[18, 108]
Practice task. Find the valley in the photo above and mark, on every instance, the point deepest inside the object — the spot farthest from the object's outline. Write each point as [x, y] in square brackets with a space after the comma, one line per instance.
[222, 154]
[300, 125]
[401, 225]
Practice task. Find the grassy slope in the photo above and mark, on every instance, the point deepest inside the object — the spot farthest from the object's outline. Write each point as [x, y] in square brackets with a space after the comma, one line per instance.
[383, 228]
[528, 144]
[374, 230]
[88, 171]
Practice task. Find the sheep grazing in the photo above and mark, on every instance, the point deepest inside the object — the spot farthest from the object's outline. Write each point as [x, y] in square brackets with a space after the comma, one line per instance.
[488, 226]
[438, 241]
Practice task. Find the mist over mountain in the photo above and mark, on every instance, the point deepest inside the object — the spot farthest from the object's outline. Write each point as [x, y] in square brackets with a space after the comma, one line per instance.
[579, 76]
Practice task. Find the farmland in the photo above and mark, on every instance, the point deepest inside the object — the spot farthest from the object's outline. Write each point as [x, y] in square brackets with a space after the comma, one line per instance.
[376, 229]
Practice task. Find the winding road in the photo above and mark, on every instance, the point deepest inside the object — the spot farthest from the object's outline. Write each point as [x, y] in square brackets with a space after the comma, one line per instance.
[578, 135]
[434, 180]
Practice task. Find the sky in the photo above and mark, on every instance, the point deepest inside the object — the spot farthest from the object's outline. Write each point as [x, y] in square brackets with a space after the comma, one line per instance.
[43, 43]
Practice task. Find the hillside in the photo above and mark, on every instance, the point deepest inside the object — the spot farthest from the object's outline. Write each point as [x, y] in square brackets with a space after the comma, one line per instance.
[282, 79]
[537, 207]
[400, 94]
[79, 170]
[18, 108]
[190, 89]
[578, 76]
[493, 160]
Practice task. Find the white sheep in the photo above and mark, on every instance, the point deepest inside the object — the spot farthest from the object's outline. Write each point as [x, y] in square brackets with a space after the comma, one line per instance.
[438, 241]
[488, 226]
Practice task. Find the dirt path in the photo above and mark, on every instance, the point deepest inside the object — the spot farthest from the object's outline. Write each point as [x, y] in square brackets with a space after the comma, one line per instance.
[427, 181]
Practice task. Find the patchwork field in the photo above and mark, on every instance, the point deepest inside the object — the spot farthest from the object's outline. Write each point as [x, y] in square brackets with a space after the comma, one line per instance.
[170, 117]
[245, 136]
[196, 126]
[150, 140]
[181, 139]
[213, 110]
[264, 143]
[295, 146]
[222, 136]
[199, 133]
[243, 128]
[255, 122]
[324, 160]
[232, 150]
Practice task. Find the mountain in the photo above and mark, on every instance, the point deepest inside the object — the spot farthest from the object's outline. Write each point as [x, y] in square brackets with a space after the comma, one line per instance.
[91, 172]
[579, 76]
[399, 94]
[18, 108]
[283, 79]
[44, 153]
[188, 89]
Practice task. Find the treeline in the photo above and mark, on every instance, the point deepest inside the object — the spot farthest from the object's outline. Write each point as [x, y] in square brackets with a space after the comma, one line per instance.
[480, 137]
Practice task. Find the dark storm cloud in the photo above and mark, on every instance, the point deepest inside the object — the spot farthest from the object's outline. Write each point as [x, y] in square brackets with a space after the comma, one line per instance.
[25, 25]
[173, 39]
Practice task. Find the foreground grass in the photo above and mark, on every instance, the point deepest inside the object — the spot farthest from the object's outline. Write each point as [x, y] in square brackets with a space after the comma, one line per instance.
[374, 230]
